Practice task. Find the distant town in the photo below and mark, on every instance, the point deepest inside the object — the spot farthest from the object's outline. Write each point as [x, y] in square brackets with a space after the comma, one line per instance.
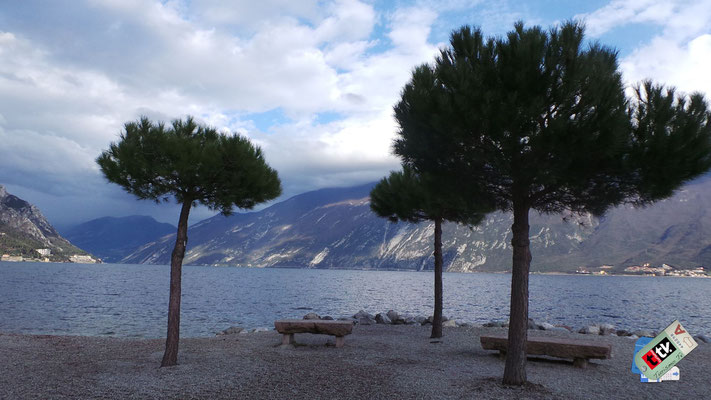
[645, 269]
[45, 255]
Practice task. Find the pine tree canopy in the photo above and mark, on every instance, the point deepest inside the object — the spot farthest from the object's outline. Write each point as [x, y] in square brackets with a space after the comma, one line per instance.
[189, 162]
[541, 117]
[408, 196]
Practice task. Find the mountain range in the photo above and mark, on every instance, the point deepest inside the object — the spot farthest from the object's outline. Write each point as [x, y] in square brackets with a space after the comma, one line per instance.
[111, 238]
[334, 228]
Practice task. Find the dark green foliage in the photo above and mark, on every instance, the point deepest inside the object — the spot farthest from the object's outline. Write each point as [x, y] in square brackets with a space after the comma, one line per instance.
[538, 121]
[408, 196]
[195, 165]
[670, 141]
[413, 197]
[189, 162]
[539, 112]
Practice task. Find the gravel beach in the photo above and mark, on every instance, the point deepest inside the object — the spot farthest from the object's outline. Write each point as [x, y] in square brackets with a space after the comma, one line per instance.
[377, 362]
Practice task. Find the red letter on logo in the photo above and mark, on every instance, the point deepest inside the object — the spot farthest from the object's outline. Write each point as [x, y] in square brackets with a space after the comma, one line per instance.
[651, 359]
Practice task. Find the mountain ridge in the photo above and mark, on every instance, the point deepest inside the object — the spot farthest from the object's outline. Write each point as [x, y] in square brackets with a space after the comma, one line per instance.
[334, 228]
[111, 238]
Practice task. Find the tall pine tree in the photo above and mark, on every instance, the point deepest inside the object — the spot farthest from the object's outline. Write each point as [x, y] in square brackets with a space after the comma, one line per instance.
[540, 121]
[411, 197]
[192, 164]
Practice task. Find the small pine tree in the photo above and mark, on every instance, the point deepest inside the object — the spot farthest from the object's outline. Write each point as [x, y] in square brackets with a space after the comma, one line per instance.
[194, 165]
[411, 197]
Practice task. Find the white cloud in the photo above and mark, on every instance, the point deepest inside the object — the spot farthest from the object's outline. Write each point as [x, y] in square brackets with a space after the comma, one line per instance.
[73, 72]
[63, 104]
[620, 12]
[679, 56]
[683, 65]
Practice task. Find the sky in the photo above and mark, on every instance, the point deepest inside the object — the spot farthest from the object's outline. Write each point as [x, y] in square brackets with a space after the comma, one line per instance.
[311, 82]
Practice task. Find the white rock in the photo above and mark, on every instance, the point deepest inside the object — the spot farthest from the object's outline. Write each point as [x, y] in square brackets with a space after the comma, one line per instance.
[607, 329]
[231, 331]
[546, 326]
[312, 316]
[362, 314]
[367, 320]
[590, 330]
[382, 319]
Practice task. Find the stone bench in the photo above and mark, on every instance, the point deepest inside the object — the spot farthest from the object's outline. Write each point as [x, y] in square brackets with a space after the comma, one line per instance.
[288, 327]
[580, 351]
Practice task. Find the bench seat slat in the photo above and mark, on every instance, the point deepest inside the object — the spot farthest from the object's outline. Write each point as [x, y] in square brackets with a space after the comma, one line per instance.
[326, 327]
[554, 347]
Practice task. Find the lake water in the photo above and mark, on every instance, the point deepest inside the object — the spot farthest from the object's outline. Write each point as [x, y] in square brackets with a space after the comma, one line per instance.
[132, 300]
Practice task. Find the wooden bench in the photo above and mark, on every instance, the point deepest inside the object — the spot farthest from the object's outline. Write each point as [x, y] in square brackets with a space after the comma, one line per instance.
[288, 327]
[580, 351]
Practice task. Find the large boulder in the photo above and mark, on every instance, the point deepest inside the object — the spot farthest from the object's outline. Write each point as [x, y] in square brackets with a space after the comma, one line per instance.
[230, 331]
[644, 333]
[395, 318]
[367, 320]
[532, 324]
[546, 326]
[450, 323]
[382, 319]
[590, 330]
[312, 315]
[607, 329]
[362, 314]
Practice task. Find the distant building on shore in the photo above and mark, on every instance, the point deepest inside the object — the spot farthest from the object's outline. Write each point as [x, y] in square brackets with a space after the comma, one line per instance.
[666, 270]
[44, 252]
[82, 259]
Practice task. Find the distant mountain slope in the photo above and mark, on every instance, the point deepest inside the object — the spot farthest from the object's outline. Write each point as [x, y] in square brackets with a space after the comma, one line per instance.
[24, 230]
[334, 228]
[112, 238]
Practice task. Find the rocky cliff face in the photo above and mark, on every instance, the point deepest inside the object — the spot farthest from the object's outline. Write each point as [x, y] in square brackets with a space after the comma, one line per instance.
[334, 228]
[23, 230]
[18, 214]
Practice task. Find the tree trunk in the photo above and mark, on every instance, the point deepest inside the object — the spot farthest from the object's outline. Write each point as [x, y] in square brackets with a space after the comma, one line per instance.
[515, 370]
[437, 319]
[170, 357]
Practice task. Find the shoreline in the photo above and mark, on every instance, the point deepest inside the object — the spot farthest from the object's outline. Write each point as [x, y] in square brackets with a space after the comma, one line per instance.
[707, 276]
[377, 362]
[405, 319]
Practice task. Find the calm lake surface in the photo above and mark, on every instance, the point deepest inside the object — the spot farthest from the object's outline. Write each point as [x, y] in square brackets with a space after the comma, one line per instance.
[132, 300]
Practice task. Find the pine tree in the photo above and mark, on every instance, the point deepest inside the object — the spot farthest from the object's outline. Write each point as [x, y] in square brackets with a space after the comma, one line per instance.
[192, 164]
[411, 197]
[540, 121]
